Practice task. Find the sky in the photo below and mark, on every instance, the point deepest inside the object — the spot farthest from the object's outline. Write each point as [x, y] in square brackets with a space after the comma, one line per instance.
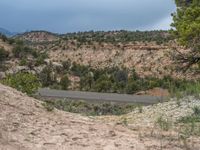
[63, 16]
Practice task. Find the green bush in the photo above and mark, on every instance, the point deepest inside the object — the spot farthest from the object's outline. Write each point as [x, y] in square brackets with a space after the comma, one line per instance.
[196, 111]
[103, 84]
[25, 82]
[66, 65]
[23, 62]
[87, 82]
[164, 124]
[48, 106]
[40, 59]
[195, 117]
[18, 51]
[47, 77]
[79, 70]
[3, 54]
[21, 51]
[65, 82]
[132, 87]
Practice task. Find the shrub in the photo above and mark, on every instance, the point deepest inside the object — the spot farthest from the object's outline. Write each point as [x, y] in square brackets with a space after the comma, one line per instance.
[3, 54]
[40, 59]
[65, 82]
[21, 51]
[3, 37]
[103, 84]
[195, 117]
[79, 70]
[48, 106]
[87, 81]
[66, 65]
[23, 62]
[11, 40]
[17, 51]
[132, 87]
[196, 111]
[163, 123]
[121, 76]
[190, 124]
[25, 82]
[46, 76]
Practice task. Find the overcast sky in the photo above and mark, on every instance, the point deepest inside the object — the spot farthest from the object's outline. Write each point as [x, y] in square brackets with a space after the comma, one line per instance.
[83, 15]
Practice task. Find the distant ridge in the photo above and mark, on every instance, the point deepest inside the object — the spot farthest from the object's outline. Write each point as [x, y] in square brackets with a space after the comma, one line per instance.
[6, 32]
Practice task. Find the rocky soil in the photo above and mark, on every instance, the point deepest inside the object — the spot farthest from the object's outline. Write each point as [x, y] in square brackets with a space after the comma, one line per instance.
[172, 110]
[26, 125]
[147, 58]
[5, 45]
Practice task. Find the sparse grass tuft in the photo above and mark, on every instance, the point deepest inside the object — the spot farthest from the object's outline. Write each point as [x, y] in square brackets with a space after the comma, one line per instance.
[48, 106]
[186, 88]
[196, 110]
[190, 124]
[194, 118]
[164, 124]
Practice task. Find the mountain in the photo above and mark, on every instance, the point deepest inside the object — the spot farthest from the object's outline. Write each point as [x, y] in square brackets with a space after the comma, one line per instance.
[6, 32]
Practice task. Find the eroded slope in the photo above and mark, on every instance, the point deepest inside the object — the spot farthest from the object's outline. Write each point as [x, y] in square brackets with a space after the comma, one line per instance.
[26, 125]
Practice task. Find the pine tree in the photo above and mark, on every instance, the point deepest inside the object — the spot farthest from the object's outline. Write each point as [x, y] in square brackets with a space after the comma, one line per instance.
[187, 30]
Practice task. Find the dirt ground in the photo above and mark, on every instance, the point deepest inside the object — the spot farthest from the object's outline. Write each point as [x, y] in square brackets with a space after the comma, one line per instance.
[26, 125]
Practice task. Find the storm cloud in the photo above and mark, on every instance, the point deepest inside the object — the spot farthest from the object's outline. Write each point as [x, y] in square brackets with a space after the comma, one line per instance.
[83, 15]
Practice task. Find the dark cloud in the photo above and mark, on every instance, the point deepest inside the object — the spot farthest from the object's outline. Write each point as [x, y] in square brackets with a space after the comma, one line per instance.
[81, 15]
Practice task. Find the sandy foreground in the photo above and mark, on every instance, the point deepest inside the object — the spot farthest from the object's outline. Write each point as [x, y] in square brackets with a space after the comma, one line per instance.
[26, 125]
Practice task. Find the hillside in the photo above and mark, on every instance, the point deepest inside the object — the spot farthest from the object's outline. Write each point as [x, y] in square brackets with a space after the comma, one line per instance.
[5, 45]
[113, 62]
[37, 36]
[149, 53]
[26, 125]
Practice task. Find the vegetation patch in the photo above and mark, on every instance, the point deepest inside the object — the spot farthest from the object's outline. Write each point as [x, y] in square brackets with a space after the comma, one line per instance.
[48, 106]
[120, 36]
[113, 80]
[24, 82]
[3, 54]
[164, 123]
[88, 108]
[194, 118]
